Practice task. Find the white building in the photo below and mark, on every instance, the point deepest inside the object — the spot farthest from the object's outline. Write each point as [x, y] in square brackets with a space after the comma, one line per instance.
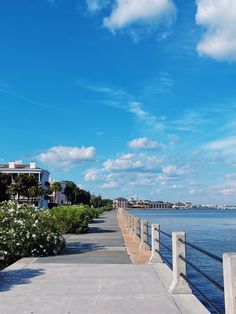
[14, 169]
[120, 202]
[59, 197]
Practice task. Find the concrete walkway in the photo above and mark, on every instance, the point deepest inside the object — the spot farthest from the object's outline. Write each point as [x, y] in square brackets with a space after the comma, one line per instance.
[94, 275]
[103, 244]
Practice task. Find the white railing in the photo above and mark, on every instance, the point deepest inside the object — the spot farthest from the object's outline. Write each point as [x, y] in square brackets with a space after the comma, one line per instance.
[150, 239]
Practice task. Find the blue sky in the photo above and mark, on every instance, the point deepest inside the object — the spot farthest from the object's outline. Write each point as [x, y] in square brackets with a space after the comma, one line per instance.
[124, 97]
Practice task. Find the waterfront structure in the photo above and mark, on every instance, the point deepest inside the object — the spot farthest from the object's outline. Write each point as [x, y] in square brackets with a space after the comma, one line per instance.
[159, 204]
[14, 169]
[135, 203]
[120, 202]
[179, 205]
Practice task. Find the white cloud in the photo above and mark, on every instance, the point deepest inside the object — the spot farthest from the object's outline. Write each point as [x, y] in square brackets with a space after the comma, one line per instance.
[66, 156]
[171, 170]
[119, 98]
[143, 143]
[93, 5]
[219, 18]
[92, 175]
[228, 188]
[137, 109]
[128, 162]
[109, 185]
[124, 162]
[128, 12]
[225, 145]
[96, 5]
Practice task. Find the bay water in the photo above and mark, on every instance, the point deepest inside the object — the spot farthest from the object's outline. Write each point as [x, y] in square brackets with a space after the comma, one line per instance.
[213, 230]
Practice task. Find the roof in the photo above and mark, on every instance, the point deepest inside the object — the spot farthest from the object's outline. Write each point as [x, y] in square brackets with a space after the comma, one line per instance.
[121, 199]
[20, 167]
[17, 166]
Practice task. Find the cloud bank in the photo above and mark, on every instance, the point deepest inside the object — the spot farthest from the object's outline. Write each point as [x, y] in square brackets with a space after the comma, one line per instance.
[66, 156]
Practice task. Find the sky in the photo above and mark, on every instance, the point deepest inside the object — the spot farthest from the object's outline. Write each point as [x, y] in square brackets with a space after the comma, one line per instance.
[125, 97]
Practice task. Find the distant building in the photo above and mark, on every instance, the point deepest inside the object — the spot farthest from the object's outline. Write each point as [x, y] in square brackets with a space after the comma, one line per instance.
[14, 169]
[189, 204]
[159, 205]
[180, 205]
[120, 202]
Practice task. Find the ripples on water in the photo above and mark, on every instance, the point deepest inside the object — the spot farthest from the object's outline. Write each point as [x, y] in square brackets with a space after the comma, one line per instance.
[213, 230]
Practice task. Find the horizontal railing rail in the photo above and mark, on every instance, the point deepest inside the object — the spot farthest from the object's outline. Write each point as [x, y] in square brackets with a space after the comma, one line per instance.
[217, 284]
[202, 273]
[166, 234]
[207, 300]
[203, 251]
[139, 230]
[165, 246]
[168, 262]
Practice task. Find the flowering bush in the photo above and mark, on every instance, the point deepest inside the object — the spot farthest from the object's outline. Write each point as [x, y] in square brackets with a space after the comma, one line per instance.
[26, 231]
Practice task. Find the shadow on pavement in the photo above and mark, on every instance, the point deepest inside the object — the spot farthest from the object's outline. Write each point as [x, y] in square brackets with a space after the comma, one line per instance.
[11, 278]
[100, 230]
[78, 247]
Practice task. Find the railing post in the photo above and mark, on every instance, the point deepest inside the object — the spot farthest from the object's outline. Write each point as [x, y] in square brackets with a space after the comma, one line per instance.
[155, 257]
[144, 236]
[127, 220]
[123, 213]
[130, 223]
[229, 268]
[179, 284]
[136, 227]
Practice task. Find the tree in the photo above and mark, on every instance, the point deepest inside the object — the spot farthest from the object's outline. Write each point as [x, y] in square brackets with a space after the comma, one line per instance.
[70, 192]
[13, 190]
[82, 197]
[5, 182]
[96, 201]
[33, 193]
[23, 182]
[55, 187]
[107, 202]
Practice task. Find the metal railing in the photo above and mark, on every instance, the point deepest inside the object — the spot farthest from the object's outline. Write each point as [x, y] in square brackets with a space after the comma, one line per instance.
[138, 232]
[152, 236]
[202, 273]
[161, 244]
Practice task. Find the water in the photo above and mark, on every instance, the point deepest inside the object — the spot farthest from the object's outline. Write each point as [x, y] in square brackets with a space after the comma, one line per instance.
[213, 230]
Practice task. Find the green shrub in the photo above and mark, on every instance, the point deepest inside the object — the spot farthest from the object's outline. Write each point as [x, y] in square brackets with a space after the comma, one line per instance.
[75, 219]
[72, 219]
[26, 231]
[106, 208]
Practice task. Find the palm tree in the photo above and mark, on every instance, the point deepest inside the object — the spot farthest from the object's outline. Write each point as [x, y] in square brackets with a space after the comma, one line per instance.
[55, 187]
[33, 193]
[13, 190]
